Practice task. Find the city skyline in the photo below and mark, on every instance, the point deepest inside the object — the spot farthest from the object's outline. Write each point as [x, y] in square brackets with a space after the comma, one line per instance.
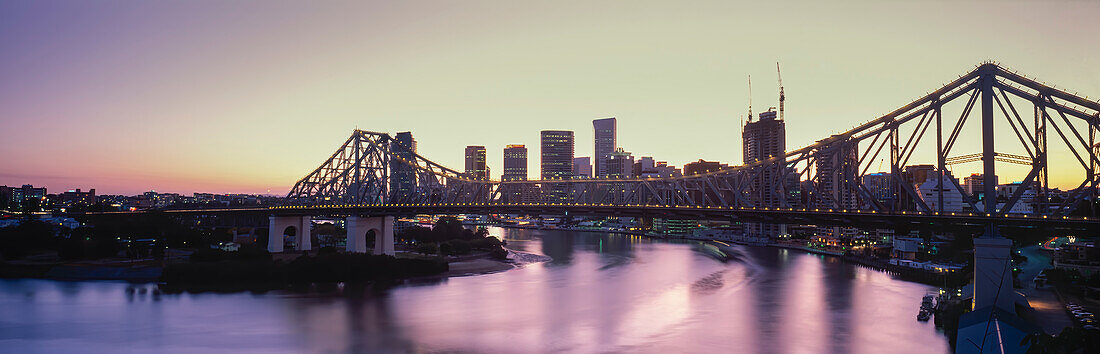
[139, 113]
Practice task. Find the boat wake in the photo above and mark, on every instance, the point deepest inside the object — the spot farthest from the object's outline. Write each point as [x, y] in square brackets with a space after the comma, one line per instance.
[521, 259]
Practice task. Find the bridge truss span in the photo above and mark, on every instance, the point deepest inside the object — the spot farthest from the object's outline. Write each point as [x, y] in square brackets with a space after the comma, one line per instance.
[990, 115]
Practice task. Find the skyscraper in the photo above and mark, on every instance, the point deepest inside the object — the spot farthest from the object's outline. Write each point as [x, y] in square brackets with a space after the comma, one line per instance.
[764, 139]
[475, 162]
[605, 143]
[515, 169]
[556, 162]
[515, 163]
[402, 176]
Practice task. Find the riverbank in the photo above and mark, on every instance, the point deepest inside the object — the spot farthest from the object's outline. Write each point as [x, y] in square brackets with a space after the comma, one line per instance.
[485, 265]
[477, 266]
[151, 271]
[82, 271]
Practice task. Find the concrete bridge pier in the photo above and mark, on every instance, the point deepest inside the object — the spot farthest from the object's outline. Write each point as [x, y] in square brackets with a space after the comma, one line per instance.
[279, 224]
[358, 227]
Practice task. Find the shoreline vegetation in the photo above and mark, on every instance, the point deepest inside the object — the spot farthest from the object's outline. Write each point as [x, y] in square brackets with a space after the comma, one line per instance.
[238, 271]
[446, 250]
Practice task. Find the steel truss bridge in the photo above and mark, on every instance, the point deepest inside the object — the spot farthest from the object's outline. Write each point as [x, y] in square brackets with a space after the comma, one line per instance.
[822, 183]
[374, 171]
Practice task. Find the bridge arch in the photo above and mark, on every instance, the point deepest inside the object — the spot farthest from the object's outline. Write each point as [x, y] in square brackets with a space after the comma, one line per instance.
[372, 235]
[290, 238]
[361, 228]
[278, 229]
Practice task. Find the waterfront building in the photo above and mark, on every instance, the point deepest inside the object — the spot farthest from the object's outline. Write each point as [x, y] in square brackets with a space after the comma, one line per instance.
[1082, 256]
[675, 227]
[556, 162]
[701, 166]
[1027, 202]
[582, 167]
[879, 186]
[605, 143]
[475, 162]
[930, 190]
[837, 167]
[402, 175]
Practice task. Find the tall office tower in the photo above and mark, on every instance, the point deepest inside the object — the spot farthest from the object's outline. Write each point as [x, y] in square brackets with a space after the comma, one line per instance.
[515, 163]
[582, 167]
[515, 169]
[837, 168]
[402, 175]
[605, 144]
[763, 139]
[475, 162]
[879, 186]
[556, 162]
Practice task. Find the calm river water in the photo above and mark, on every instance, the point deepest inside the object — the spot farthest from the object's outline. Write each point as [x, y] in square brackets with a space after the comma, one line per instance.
[601, 293]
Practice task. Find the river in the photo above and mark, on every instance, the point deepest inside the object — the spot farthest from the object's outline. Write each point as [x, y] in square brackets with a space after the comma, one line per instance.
[600, 293]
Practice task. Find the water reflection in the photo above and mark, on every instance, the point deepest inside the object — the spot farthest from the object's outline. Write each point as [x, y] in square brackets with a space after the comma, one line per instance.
[600, 293]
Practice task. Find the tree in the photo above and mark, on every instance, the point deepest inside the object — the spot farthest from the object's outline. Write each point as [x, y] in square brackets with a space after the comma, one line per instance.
[447, 227]
[417, 233]
[30, 235]
[427, 248]
[1068, 341]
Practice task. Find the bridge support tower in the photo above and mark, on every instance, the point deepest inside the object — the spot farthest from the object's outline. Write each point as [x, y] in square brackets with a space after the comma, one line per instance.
[277, 226]
[358, 227]
[993, 272]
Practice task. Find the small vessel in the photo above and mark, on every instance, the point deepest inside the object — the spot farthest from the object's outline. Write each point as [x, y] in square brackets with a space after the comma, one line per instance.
[926, 303]
[924, 315]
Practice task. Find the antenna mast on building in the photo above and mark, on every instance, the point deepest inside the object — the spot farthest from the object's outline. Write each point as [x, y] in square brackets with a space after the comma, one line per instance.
[782, 97]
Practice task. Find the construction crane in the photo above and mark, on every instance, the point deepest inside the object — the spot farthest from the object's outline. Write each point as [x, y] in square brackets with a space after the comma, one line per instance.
[750, 98]
[782, 97]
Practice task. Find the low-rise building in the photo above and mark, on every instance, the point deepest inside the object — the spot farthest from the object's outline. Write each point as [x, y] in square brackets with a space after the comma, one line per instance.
[1082, 256]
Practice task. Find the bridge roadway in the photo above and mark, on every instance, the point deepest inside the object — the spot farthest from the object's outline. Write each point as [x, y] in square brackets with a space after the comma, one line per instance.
[867, 219]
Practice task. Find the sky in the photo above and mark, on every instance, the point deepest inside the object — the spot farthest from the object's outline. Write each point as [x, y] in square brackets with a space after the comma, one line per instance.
[250, 96]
